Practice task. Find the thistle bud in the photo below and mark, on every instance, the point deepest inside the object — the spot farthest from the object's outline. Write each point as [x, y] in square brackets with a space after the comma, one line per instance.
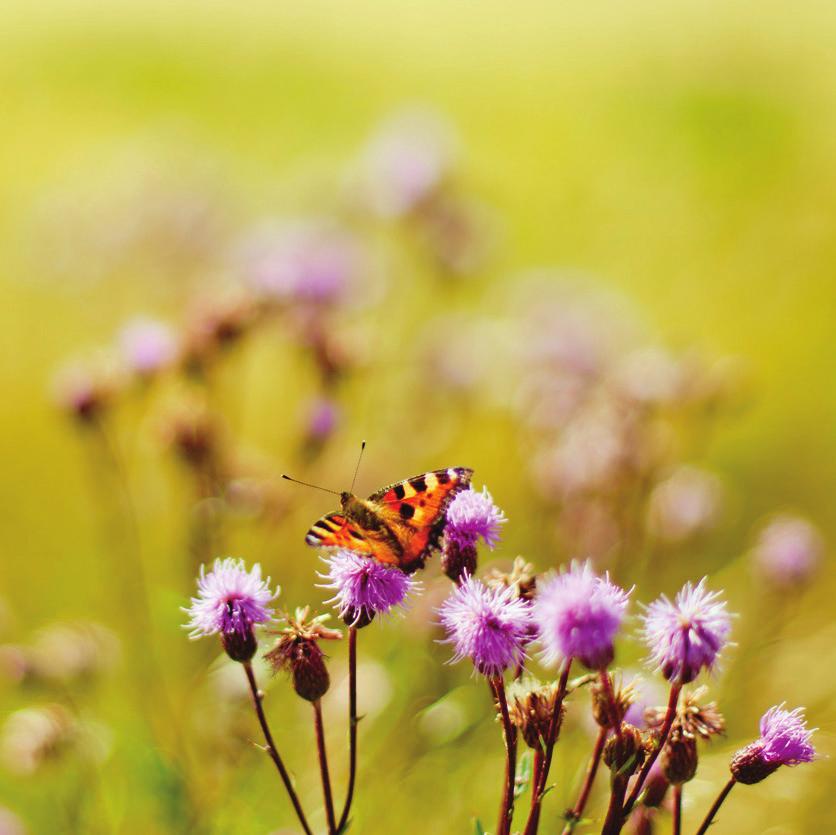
[358, 618]
[297, 651]
[749, 766]
[679, 759]
[609, 714]
[458, 560]
[531, 705]
[624, 753]
[240, 646]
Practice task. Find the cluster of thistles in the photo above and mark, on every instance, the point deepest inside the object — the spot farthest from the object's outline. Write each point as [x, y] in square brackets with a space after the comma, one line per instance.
[564, 620]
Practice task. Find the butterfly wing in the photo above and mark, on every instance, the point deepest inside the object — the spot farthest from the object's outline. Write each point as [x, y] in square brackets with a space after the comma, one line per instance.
[336, 531]
[414, 510]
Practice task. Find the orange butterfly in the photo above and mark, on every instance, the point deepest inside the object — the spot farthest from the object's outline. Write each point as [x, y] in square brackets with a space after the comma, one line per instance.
[399, 525]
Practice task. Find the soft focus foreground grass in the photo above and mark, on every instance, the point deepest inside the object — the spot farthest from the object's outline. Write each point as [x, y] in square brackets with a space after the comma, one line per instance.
[680, 152]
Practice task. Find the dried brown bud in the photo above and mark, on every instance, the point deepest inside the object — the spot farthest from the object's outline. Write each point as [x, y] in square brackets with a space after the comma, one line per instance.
[521, 576]
[297, 651]
[624, 753]
[458, 560]
[678, 759]
[531, 705]
[749, 766]
[607, 714]
[692, 718]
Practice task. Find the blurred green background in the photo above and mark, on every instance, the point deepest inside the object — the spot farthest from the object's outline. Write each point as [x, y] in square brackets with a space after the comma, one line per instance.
[678, 155]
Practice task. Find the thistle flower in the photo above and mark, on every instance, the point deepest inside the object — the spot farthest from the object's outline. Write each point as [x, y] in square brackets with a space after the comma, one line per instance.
[788, 551]
[577, 615]
[230, 602]
[687, 635]
[364, 587]
[489, 626]
[147, 346]
[472, 516]
[784, 740]
[297, 650]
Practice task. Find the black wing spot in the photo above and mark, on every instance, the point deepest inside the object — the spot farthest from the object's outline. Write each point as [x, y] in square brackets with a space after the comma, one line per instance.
[399, 491]
[355, 534]
[418, 484]
[407, 511]
[443, 477]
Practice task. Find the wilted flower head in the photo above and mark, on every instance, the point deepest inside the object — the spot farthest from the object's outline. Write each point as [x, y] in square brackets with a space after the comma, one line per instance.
[33, 736]
[297, 651]
[364, 587]
[610, 713]
[788, 550]
[230, 601]
[147, 345]
[784, 740]
[694, 716]
[489, 626]
[472, 516]
[521, 577]
[86, 389]
[686, 635]
[530, 706]
[577, 615]
[67, 651]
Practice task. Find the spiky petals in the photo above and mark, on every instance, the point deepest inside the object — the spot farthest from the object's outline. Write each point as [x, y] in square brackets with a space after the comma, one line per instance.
[688, 634]
[578, 614]
[489, 626]
[472, 516]
[230, 601]
[364, 587]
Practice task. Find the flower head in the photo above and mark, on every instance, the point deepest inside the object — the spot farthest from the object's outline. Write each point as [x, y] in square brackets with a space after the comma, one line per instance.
[147, 346]
[472, 516]
[788, 551]
[364, 587]
[577, 614]
[686, 635]
[784, 740]
[530, 706]
[489, 626]
[230, 601]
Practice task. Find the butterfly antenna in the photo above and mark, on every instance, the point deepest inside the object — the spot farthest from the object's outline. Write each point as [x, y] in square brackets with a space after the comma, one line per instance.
[357, 468]
[307, 484]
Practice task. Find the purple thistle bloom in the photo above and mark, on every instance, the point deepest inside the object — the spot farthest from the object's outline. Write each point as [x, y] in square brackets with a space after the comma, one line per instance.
[364, 587]
[488, 625]
[577, 615]
[784, 740]
[230, 601]
[472, 516]
[788, 551]
[147, 345]
[687, 635]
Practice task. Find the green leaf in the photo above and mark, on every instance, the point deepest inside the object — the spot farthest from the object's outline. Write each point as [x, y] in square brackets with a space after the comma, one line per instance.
[479, 829]
[525, 770]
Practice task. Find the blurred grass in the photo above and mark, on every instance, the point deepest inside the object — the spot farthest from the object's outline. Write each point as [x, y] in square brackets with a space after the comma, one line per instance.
[682, 152]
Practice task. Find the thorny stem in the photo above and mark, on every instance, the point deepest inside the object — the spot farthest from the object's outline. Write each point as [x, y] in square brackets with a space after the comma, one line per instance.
[506, 810]
[323, 767]
[715, 807]
[677, 809]
[648, 763]
[576, 813]
[271, 747]
[352, 725]
[551, 739]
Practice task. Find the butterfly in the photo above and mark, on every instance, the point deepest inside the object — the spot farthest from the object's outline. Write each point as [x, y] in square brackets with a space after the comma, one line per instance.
[399, 525]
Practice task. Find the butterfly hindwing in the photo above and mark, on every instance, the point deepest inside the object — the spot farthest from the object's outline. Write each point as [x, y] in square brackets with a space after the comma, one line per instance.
[336, 531]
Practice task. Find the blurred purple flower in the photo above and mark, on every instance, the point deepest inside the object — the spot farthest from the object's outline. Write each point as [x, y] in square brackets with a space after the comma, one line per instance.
[363, 586]
[230, 600]
[784, 740]
[307, 261]
[147, 345]
[488, 625]
[472, 516]
[577, 615]
[687, 635]
[684, 504]
[788, 550]
[323, 417]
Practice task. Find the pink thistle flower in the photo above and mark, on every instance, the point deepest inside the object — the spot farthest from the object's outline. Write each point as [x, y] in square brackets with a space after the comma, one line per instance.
[147, 345]
[488, 625]
[230, 601]
[578, 614]
[784, 740]
[788, 551]
[364, 587]
[686, 635]
[472, 516]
